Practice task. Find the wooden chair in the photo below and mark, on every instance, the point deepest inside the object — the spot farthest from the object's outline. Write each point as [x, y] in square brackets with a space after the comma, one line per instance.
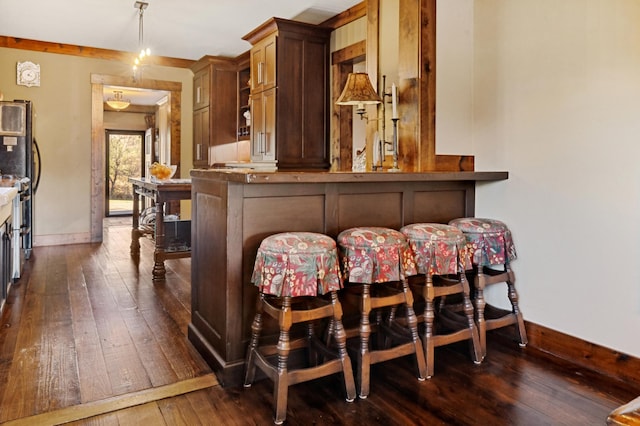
[293, 272]
[490, 245]
[372, 257]
[440, 252]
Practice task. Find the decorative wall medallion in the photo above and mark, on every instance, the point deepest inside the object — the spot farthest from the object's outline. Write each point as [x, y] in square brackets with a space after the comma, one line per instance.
[28, 74]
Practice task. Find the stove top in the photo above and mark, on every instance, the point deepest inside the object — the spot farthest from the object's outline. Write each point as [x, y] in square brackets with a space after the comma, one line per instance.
[13, 180]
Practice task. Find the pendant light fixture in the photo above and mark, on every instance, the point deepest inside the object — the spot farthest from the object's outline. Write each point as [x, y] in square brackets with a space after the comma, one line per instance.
[118, 102]
[144, 52]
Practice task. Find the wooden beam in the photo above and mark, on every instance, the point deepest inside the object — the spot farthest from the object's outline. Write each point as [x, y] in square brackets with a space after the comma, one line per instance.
[355, 52]
[346, 17]
[88, 52]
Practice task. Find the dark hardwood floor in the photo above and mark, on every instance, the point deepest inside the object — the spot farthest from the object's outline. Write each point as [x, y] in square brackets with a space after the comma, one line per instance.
[86, 327]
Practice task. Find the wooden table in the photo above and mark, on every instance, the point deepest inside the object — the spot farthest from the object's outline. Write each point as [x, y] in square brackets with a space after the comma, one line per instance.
[233, 210]
[160, 192]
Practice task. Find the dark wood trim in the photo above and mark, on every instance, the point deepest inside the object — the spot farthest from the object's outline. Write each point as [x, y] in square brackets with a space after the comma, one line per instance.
[88, 52]
[355, 52]
[450, 163]
[588, 355]
[355, 12]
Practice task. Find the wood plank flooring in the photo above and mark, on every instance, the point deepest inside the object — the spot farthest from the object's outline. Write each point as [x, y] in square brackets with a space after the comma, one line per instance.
[85, 326]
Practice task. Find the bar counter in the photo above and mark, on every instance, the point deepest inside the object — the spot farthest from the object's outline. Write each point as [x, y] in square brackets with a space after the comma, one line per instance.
[234, 209]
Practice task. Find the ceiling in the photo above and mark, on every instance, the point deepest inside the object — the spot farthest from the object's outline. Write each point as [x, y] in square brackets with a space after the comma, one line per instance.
[179, 29]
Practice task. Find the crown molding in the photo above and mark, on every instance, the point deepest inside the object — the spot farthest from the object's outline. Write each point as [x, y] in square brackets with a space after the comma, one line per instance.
[88, 52]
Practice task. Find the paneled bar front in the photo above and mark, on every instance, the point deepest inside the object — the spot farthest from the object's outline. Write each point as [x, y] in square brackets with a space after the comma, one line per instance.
[233, 210]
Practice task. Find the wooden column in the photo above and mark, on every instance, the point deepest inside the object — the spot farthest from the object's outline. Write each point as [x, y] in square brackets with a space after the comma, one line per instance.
[373, 37]
[417, 92]
[417, 86]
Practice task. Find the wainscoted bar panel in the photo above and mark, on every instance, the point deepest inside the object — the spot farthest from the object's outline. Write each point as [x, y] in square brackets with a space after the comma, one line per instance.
[234, 210]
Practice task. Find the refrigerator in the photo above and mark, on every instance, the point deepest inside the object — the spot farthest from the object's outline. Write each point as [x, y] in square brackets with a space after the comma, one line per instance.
[20, 164]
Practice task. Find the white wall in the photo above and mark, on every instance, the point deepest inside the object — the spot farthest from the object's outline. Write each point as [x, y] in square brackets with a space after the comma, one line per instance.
[556, 102]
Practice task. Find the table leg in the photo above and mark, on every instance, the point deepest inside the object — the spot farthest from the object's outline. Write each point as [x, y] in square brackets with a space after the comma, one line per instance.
[135, 232]
[158, 255]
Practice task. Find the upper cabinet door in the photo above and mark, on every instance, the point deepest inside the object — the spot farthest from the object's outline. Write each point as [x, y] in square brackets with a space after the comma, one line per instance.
[201, 88]
[263, 64]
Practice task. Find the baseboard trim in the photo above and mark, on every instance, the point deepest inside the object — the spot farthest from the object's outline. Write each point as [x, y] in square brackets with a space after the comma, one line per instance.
[61, 239]
[590, 356]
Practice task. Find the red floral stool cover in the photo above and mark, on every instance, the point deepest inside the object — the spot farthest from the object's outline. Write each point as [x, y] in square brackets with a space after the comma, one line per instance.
[438, 249]
[375, 255]
[441, 250]
[297, 264]
[490, 243]
[488, 240]
[293, 270]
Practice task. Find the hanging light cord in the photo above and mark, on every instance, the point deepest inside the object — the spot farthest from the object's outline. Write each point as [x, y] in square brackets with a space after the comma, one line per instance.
[141, 26]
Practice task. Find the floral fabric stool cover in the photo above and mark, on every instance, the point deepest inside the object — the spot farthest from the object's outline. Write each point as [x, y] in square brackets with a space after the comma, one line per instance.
[488, 240]
[440, 252]
[298, 276]
[490, 244]
[374, 256]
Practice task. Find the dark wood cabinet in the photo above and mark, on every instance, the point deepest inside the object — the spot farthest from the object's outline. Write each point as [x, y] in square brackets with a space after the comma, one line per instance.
[201, 88]
[215, 120]
[263, 141]
[201, 137]
[291, 59]
[263, 64]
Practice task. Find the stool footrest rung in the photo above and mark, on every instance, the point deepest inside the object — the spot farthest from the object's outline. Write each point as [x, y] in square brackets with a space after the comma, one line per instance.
[382, 355]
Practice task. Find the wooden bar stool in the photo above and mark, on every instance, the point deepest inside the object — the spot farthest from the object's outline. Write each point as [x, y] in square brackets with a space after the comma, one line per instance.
[293, 271]
[440, 252]
[490, 244]
[370, 257]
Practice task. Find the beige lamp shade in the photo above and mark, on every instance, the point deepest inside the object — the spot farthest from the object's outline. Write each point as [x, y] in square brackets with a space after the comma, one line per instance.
[358, 91]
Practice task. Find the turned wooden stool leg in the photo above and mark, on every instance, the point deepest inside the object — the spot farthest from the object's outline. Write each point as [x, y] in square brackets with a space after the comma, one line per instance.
[429, 318]
[412, 324]
[340, 337]
[256, 329]
[467, 306]
[281, 385]
[364, 360]
[480, 304]
[513, 298]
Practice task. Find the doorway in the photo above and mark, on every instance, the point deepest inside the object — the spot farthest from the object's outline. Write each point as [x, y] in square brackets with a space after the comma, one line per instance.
[98, 81]
[124, 159]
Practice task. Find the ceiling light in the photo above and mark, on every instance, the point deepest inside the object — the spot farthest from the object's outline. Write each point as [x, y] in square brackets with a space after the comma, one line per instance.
[118, 102]
[144, 52]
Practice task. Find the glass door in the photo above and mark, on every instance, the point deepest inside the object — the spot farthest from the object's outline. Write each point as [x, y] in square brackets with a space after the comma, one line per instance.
[125, 157]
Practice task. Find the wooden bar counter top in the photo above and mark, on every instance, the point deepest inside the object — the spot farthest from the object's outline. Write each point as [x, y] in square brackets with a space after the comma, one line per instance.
[234, 209]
